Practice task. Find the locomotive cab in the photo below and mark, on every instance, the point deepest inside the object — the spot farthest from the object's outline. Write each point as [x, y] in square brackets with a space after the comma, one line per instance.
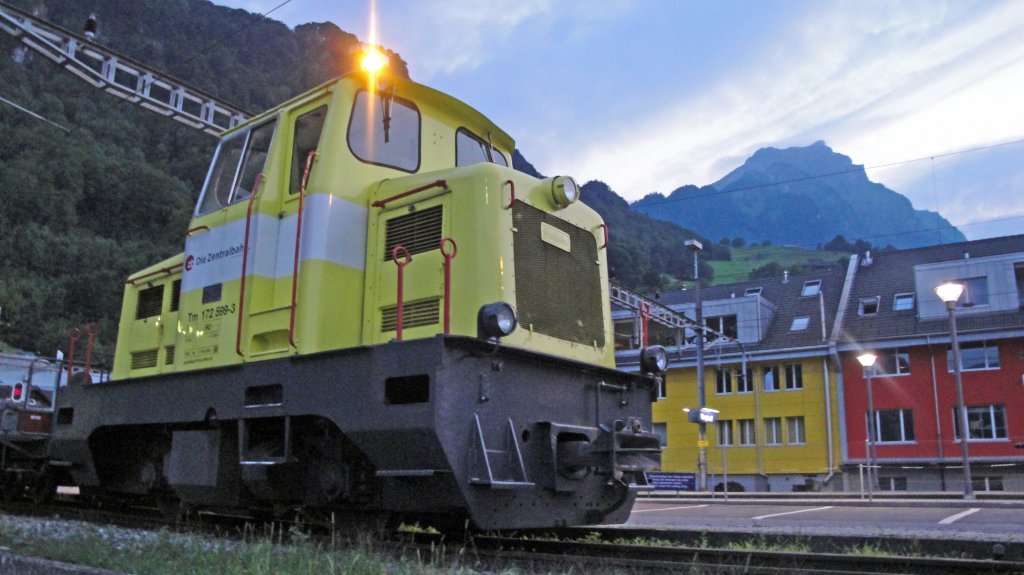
[292, 245]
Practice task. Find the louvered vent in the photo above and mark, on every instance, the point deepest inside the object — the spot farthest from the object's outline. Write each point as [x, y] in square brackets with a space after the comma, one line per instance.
[414, 314]
[558, 292]
[168, 355]
[419, 231]
[151, 301]
[175, 295]
[145, 358]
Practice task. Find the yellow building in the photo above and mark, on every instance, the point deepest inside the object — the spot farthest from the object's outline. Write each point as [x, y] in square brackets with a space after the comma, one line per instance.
[777, 428]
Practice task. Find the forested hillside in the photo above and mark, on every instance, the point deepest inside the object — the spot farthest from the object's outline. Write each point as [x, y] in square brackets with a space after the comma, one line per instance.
[80, 210]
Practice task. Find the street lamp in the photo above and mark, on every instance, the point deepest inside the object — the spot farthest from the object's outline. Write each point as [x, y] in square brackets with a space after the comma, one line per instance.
[868, 361]
[702, 451]
[949, 292]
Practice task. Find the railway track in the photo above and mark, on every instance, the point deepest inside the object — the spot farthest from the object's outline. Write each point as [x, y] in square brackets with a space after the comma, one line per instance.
[559, 551]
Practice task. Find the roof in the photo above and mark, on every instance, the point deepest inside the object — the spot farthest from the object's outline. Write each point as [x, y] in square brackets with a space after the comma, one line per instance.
[891, 273]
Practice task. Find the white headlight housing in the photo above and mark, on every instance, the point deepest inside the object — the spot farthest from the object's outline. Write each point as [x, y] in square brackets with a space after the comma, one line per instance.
[564, 191]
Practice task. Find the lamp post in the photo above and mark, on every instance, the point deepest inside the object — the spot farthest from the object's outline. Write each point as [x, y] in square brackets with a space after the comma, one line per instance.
[949, 292]
[868, 361]
[702, 451]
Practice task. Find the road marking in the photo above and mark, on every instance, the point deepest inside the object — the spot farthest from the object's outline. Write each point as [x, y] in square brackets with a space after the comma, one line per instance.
[959, 516]
[792, 512]
[669, 508]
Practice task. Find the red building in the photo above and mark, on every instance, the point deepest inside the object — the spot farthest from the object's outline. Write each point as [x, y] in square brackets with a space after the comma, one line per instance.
[891, 310]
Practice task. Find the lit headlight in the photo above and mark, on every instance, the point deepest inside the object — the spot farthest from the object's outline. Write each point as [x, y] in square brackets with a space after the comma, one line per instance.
[653, 359]
[564, 191]
[495, 320]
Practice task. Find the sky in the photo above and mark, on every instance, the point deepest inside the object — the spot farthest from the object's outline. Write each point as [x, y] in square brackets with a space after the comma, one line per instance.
[651, 95]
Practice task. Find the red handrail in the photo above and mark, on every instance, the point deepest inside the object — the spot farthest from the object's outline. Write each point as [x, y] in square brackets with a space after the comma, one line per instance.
[400, 306]
[166, 270]
[298, 237]
[385, 201]
[91, 330]
[448, 257]
[245, 261]
[73, 334]
[512, 186]
[189, 231]
[604, 227]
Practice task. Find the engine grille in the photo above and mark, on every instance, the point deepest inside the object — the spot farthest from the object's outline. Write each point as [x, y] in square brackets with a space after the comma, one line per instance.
[419, 231]
[145, 358]
[151, 301]
[558, 292]
[414, 314]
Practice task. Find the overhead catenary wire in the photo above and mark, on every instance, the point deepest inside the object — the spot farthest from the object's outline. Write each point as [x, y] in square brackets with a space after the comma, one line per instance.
[33, 114]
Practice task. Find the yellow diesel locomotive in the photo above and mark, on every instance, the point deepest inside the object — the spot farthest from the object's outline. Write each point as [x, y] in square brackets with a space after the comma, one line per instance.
[374, 312]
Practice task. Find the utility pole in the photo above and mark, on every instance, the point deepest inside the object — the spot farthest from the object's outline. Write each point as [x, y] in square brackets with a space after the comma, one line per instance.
[702, 440]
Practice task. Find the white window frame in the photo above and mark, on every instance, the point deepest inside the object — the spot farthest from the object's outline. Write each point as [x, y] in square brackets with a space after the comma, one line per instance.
[800, 323]
[794, 376]
[661, 429]
[725, 436]
[746, 434]
[745, 385]
[811, 288]
[723, 379]
[984, 345]
[884, 356]
[991, 410]
[777, 385]
[773, 431]
[799, 425]
[753, 291]
[873, 300]
[904, 297]
[905, 415]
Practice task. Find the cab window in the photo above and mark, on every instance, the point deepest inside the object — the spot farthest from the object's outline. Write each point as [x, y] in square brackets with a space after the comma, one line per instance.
[227, 183]
[470, 149]
[385, 131]
[308, 128]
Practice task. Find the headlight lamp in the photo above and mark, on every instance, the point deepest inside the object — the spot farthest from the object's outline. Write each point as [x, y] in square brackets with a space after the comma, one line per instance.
[564, 191]
[495, 320]
[653, 359]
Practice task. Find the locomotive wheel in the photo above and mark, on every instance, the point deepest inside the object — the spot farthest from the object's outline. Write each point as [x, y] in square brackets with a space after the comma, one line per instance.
[43, 489]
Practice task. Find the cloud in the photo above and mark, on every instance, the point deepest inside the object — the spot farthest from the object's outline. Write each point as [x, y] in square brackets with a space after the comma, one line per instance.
[886, 83]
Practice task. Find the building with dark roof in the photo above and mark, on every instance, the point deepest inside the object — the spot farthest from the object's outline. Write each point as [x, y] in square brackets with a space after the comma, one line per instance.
[894, 312]
[796, 418]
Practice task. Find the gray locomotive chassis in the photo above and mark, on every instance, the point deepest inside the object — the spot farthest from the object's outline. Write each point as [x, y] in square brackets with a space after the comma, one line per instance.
[427, 456]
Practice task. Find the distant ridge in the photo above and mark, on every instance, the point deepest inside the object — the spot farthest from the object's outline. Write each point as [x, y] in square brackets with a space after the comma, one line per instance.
[802, 196]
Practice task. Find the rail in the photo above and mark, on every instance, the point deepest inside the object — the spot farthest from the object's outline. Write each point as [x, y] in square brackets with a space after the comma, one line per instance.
[448, 257]
[298, 241]
[245, 262]
[400, 297]
[389, 199]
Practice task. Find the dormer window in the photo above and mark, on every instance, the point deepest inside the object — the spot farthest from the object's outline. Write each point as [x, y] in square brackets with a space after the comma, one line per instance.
[753, 291]
[868, 306]
[800, 323]
[975, 292]
[903, 302]
[811, 287]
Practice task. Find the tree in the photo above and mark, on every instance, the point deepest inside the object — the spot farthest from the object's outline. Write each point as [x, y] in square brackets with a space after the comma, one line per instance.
[738, 242]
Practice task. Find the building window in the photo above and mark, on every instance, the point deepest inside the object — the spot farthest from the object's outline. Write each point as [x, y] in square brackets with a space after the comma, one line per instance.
[893, 483]
[987, 483]
[773, 431]
[800, 323]
[794, 376]
[983, 421]
[893, 362]
[724, 324]
[662, 387]
[723, 380]
[894, 425]
[868, 306]
[812, 287]
[661, 429]
[752, 291]
[724, 432]
[903, 302]
[745, 428]
[771, 378]
[974, 356]
[796, 434]
[975, 292]
[745, 382]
